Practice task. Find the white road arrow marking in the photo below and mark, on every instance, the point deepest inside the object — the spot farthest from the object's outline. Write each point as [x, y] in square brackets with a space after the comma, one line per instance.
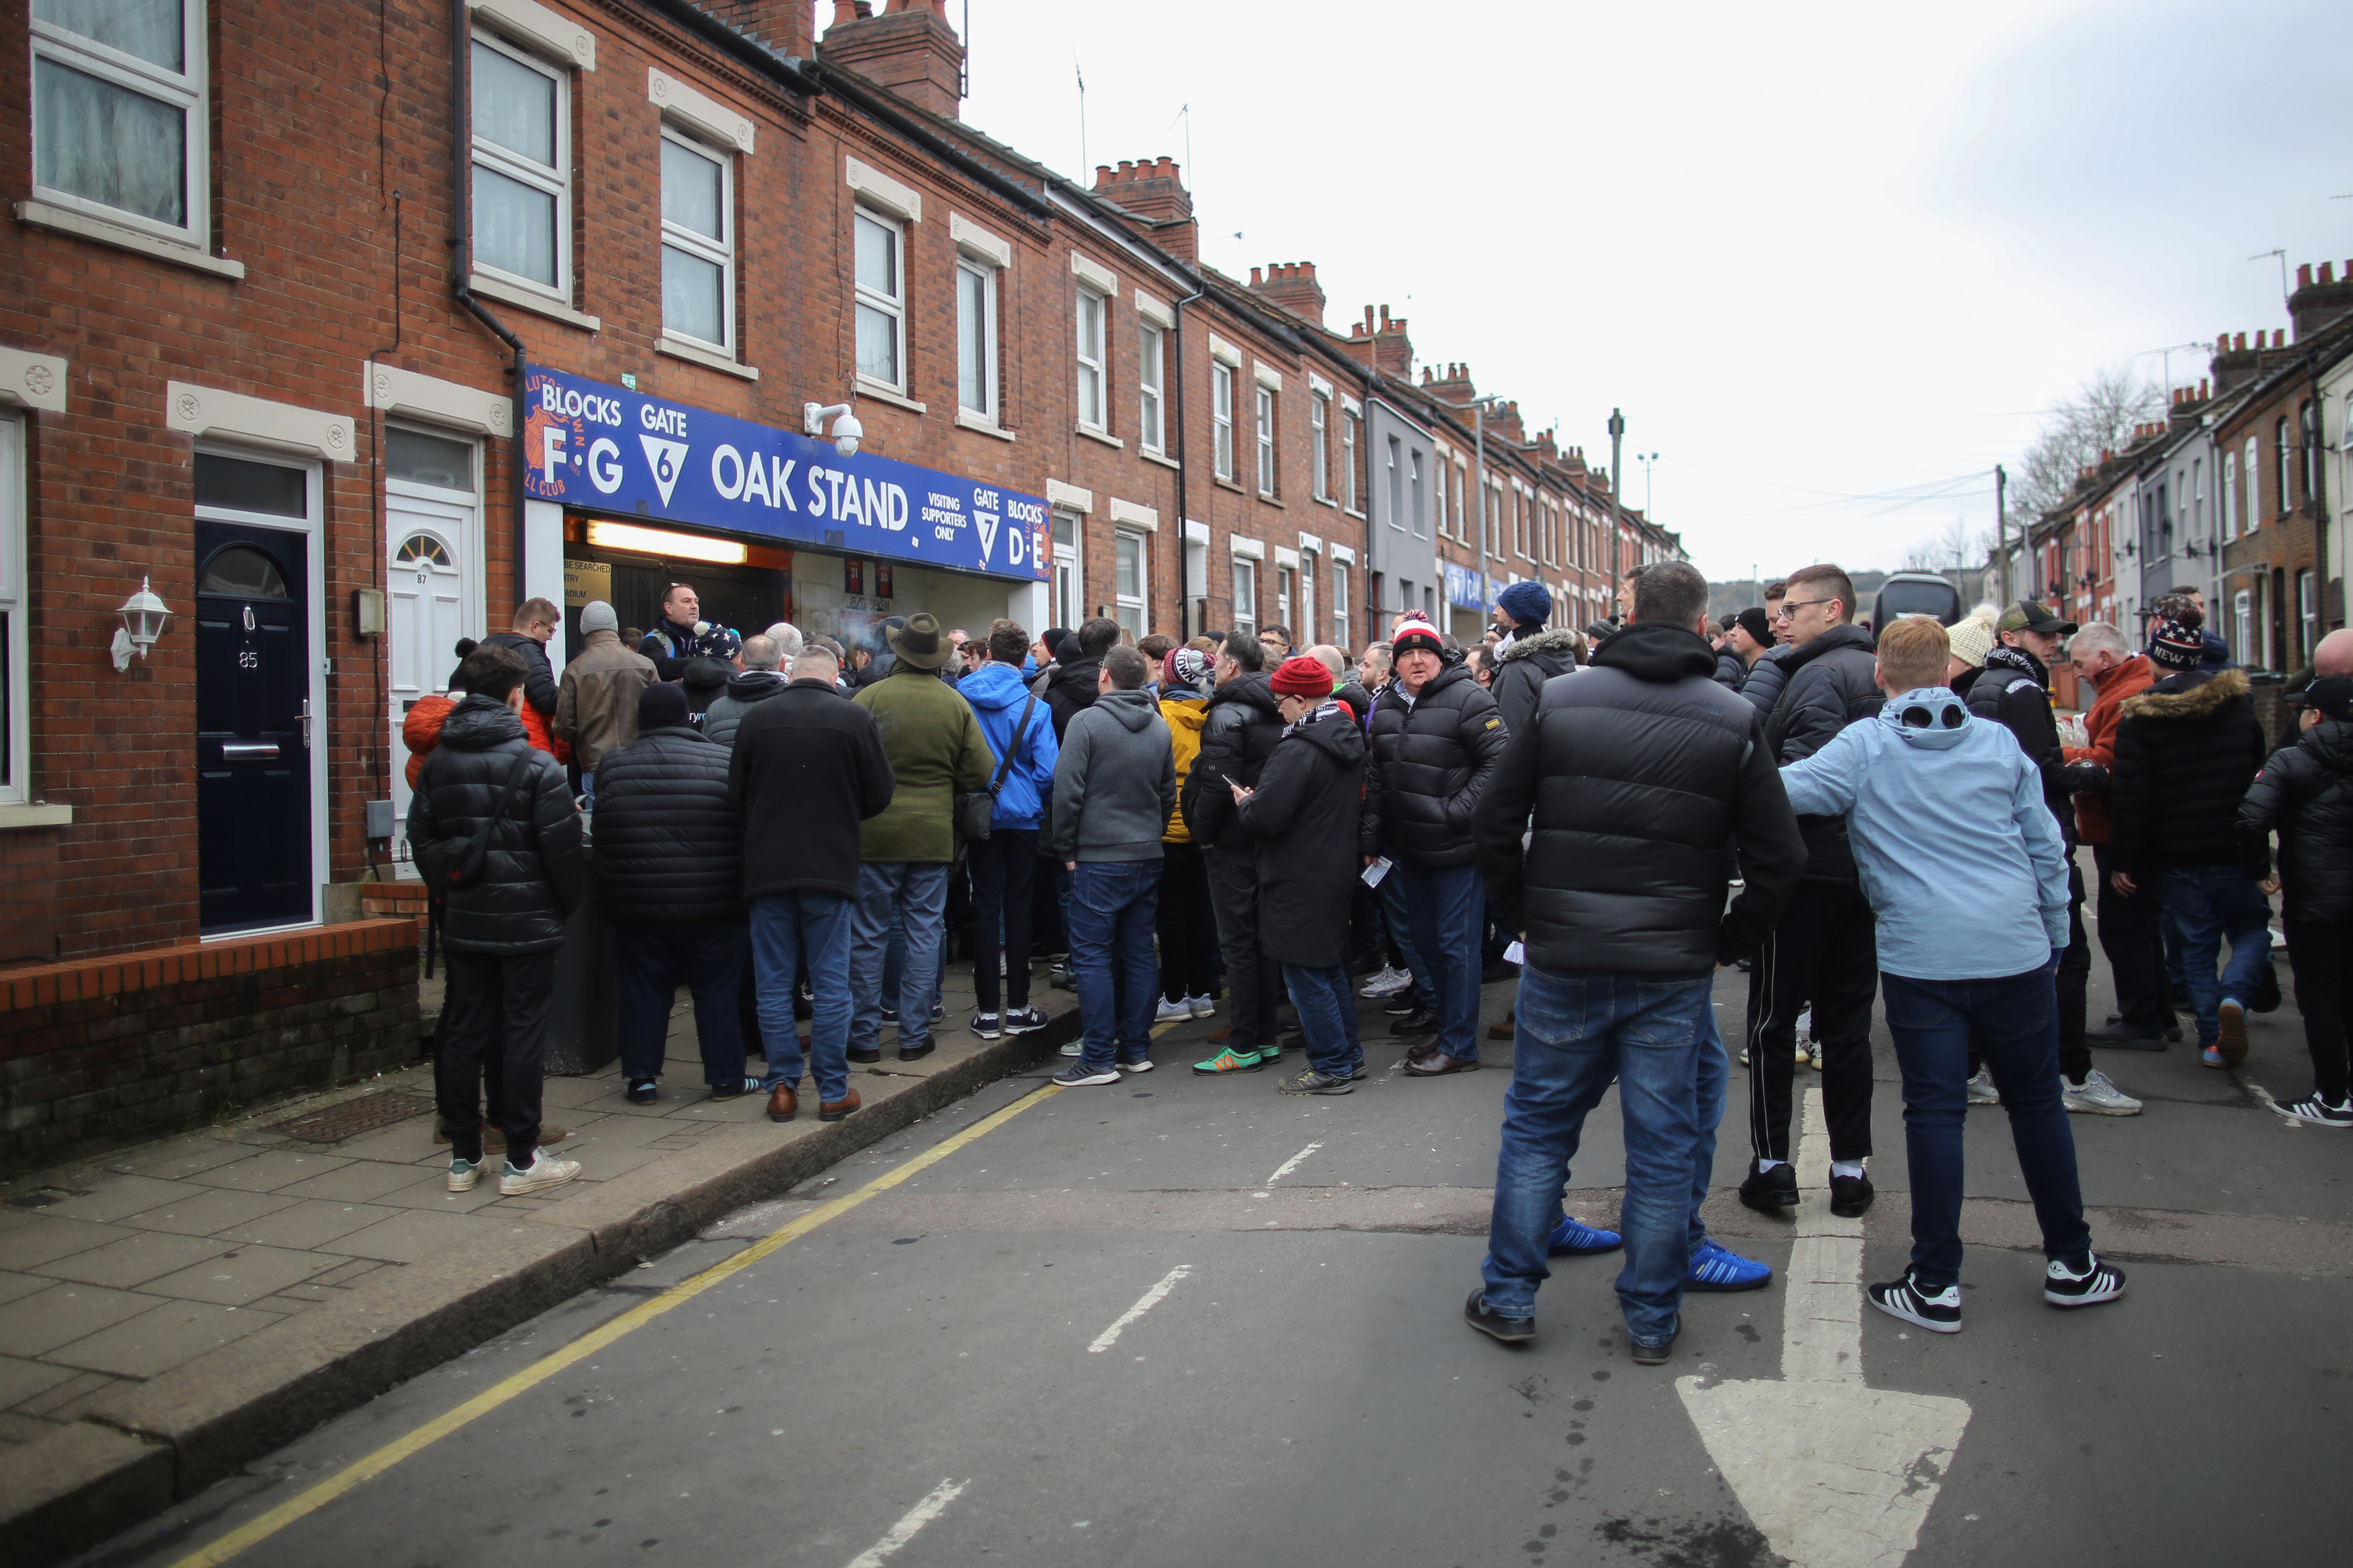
[1144, 1303]
[915, 1518]
[1836, 1474]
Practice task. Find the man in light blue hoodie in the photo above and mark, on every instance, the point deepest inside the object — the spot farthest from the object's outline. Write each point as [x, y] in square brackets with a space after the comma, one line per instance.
[1950, 833]
[1004, 863]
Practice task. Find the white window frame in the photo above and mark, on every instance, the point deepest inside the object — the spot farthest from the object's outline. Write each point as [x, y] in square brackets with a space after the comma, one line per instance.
[1319, 420]
[1151, 386]
[183, 89]
[972, 269]
[2255, 482]
[1351, 424]
[1093, 369]
[894, 307]
[1461, 520]
[1221, 420]
[556, 182]
[1286, 580]
[1266, 468]
[2229, 497]
[2285, 463]
[1245, 612]
[720, 253]
[15, 601]
[1413, 493]
[2307, 613]
[1340, 608]
[1134, 610]
[1070, 592]
[2242, 625]
[1395, 472]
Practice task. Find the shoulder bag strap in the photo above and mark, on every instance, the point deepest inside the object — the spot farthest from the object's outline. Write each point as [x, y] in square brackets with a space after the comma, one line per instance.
[1020, 732]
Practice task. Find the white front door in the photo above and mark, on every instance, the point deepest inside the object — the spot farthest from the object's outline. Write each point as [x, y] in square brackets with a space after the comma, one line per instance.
[426, 593]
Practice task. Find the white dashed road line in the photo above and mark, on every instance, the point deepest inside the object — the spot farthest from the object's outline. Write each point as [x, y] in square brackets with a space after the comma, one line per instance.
[915, 1518]
[1144, 1303]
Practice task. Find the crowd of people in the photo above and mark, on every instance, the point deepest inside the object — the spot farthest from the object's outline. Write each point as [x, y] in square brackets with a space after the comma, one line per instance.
[797, 831]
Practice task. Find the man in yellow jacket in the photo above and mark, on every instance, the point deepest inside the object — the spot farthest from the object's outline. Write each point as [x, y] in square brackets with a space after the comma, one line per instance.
[1188, 931]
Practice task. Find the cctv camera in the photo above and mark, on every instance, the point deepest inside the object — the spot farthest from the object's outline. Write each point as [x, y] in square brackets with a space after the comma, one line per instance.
[846, 432]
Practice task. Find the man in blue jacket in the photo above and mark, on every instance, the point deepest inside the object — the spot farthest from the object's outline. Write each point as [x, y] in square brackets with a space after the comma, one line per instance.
[1950, 832]
[1004, 863]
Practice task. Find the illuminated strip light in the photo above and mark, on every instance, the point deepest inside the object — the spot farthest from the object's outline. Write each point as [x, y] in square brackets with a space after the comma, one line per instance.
[661, 541]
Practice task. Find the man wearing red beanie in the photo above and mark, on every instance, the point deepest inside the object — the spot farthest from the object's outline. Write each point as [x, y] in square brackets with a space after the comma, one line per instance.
[1306, 814]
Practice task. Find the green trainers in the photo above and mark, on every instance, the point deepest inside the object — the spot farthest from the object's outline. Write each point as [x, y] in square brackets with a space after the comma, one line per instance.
[1229, 1060]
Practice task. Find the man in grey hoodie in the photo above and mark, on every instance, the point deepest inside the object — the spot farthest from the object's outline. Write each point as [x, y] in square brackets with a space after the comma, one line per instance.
[1114, 786]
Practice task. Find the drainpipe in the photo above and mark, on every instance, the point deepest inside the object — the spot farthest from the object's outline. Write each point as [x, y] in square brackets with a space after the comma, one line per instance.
[1184, 523]
[461, 238]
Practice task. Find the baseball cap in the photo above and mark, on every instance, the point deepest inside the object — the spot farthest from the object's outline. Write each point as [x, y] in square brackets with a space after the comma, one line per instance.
[2026, 615]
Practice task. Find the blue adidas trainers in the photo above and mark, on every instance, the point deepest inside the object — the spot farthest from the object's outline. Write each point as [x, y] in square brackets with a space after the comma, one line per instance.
[1714, 1268]
[1575, 1236]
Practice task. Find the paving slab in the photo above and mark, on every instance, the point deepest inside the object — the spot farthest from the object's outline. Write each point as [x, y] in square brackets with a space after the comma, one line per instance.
[22, 1379]
[161, 1338]
[359, 1181]
[409, 1237]
[15, 1285]
[136, 1259]
[241, 1275]
[48, 1235]
[308, 1224]
[267, 1170]
[211, 1209]
[118, 1197]
[33, 1324]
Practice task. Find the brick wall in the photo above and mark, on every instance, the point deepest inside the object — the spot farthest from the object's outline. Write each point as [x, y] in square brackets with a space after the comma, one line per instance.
[102, 1052]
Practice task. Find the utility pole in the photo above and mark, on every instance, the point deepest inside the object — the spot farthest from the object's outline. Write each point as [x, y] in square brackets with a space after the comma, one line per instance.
[1617, 495]
[1479, 431]
[2002, 529]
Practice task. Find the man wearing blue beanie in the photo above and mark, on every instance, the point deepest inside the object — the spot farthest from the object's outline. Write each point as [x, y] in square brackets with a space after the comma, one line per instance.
[1526, 655]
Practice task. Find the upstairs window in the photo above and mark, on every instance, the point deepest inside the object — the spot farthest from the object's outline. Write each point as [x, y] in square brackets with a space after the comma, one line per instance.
[1348, 423]
[2282, 473]
[522, 171]
[2255, 487]
[882, 297]
[697, 244]
[1151, 386]
[1221, 419]
[1319, 421]
[1090, 359]
[119, 121]
[2229, 496]
[1265, 441]
[977, 339]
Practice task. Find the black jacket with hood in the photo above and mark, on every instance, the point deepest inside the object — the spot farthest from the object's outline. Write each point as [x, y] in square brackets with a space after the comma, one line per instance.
[1071, 686]
[2187, 748]
[538, 676]
[669, 837]
[534, 870]
[807, 768]
[1237, 737]
[745, 689]
[2013, 690]
[1521, 667]
[1639, 778]
[2306, 791]
[1304, 816]
[1827, 684]
[1730, 670]
[1431, 759]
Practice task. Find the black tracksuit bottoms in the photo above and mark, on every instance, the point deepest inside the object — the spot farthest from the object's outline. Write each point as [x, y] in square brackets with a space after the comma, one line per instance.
[494, 1026]
[1824, 952]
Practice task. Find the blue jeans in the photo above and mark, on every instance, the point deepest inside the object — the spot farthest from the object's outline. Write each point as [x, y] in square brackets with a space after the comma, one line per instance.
[1327, 1012]
[1391, 892]
[2204, 904]
[2015, 1024]
[1447, 911]
[783, 926]
[1713, 1070]
[1576, 1031]
[888, 891]
[654, 962]
[1114, 905]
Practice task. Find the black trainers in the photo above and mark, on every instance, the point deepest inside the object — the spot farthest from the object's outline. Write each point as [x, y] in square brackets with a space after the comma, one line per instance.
[1771, 1192]
[1493, 1324]
[1315, 1081]
[1850, 1196]
[738, 1090]
[1423, 1022]
[1403, 1004]
[1938, 1312]
[2084, 1282]
[1654, 1352]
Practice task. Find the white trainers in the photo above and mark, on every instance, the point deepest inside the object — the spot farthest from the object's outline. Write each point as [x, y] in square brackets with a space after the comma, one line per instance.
[1075, 1048]
[1386, 982]
[544, 1172]
[1981, 1088]
[2096, 1096]
[1175, 1012]
[1203, 1006]
[464, 1173]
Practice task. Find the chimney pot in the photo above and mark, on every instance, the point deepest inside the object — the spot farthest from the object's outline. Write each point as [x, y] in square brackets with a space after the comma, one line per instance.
[844, 11]
[2328, 272]
[1257, 276]
[2203, 393]
[2242, 342]
[2304, 276]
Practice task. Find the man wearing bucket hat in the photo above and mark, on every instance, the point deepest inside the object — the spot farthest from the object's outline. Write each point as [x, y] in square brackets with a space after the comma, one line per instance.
[936, 751]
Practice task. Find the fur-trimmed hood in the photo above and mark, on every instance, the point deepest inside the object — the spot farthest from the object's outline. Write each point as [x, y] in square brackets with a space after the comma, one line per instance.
[2201, 698]
[1559, 641]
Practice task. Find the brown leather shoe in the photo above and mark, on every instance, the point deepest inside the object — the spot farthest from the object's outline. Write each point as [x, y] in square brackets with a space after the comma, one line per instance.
[1438, 1064]
[1505, 1030]
[1221, 1036]
[835, 1110]
[782, 1102]
[1420, 1053]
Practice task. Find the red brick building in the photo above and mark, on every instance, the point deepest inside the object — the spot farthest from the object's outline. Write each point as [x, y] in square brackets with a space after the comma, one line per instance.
[289, 282]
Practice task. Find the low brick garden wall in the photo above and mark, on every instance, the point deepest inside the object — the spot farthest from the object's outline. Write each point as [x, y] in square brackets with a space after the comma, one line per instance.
[101, 1052]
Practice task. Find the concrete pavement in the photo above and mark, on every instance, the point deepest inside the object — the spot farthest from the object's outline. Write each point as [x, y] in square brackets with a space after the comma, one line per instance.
[925, 1377]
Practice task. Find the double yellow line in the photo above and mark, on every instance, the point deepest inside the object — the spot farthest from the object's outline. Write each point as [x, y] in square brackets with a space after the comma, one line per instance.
[318, 1497]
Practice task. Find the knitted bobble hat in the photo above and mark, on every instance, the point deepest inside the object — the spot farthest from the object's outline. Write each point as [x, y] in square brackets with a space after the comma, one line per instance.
[1972, 639]
[1413, 630]
[2179, 643]
[1302, 677]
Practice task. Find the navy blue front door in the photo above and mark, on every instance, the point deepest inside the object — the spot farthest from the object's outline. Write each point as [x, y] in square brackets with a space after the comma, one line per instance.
[253, 757]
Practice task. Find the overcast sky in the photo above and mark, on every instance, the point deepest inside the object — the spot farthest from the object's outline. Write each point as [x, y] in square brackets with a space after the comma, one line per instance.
[1826, 257]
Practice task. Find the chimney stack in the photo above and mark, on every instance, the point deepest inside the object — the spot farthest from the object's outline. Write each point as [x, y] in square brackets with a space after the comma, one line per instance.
[2319, 302]
[910, 49]
[1154, 194]
[1381, 343]
[1291, 285]
[782, 25]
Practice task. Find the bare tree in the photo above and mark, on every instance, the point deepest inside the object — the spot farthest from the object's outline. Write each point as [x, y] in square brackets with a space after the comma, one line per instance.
[2098, 418]
[1956, 547]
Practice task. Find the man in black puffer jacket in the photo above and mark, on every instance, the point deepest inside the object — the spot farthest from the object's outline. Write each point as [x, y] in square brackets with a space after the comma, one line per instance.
[1244, 723]
[505, 923]
[1436, 738]
[670, 878]
[2187, 748]
[1070, 685]
[1637, 778]
[535, 621]
[1824, 950]
[2306, 791]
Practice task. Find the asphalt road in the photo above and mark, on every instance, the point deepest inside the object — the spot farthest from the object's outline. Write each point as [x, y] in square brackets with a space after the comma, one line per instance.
[1188, 1321]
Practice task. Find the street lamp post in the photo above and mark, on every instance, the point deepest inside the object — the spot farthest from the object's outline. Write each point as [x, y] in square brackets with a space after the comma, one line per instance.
[1617, 529]
[1479, 433]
